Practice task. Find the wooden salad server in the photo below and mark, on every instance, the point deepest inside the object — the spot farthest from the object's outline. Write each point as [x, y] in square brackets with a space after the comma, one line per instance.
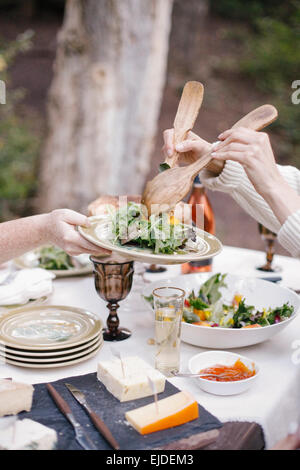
[187, 112]
[262, 114]
[164, 191]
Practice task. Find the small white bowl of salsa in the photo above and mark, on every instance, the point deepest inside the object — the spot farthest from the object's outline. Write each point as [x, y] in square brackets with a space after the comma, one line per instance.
[236, 373]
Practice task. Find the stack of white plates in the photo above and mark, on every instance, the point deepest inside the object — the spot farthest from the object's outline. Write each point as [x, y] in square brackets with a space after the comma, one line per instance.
[49, 336]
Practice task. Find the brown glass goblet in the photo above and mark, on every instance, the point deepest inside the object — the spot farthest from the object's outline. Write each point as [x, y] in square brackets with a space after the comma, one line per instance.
[153, 268]
[113, 283]
[269, 238]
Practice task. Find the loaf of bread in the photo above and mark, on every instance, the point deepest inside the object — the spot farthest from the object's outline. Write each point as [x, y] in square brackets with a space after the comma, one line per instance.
[99, 206]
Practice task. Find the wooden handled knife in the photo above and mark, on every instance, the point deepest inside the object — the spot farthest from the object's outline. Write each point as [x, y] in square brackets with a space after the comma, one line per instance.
[81, 436]
[96, 420]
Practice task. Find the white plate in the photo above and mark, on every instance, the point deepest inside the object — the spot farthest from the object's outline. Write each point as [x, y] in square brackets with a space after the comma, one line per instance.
[28, 261]
[48, 327]
[23, 353]
[256, 291]
[52, 365]
[39, 301]
[211, 246]
[54, 359]
[211, 358]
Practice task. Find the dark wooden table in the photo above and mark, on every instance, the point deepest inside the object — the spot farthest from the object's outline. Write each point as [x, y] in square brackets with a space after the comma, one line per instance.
[232, 436]
[238, 436]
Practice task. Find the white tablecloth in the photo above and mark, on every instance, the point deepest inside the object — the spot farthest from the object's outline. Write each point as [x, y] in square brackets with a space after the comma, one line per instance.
[274, 401]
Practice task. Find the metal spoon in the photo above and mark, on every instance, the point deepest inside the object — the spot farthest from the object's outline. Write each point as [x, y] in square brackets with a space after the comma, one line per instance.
[200, 376]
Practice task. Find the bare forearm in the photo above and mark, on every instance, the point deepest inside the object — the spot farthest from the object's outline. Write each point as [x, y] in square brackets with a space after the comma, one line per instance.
[19, 236]
[56, 228]
[283, 200]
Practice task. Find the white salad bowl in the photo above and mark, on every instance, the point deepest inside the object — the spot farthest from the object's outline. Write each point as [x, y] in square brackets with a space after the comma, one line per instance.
[212, 358]
[257, 292]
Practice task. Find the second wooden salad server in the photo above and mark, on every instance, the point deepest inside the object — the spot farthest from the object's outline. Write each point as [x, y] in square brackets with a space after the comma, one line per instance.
[187, 112]
[170, 187]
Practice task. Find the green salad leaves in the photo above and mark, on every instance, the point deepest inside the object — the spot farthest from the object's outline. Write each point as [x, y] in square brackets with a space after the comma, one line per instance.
[209, 308]
[52, 257]
[247, 315]
[159, 233]
[210, 290]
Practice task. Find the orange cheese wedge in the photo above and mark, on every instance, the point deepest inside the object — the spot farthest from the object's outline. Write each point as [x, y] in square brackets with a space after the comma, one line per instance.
[172, 411]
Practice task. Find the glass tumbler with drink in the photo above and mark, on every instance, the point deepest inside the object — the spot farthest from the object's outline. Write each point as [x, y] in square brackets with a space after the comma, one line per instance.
[168, 308]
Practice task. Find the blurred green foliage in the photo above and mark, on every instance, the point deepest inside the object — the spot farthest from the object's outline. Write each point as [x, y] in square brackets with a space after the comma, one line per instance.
[251, 10]
[272, 62]
[269, 32]
[18, 145]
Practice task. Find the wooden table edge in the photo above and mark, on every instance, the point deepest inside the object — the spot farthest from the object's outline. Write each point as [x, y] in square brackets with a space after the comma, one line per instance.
[234, 435]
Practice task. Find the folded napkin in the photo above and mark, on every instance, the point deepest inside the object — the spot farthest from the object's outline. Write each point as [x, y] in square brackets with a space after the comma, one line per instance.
[26, 285]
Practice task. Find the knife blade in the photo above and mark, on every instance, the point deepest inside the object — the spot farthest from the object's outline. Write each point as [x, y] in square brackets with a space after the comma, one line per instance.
[271, 279]
[80, 435]
[96, 420]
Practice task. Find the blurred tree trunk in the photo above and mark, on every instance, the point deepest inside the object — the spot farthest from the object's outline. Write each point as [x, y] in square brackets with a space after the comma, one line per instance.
[188, 20]
[104, 100]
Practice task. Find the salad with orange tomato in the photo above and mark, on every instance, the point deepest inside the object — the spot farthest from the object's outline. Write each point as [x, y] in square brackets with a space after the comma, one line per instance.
[209, 308]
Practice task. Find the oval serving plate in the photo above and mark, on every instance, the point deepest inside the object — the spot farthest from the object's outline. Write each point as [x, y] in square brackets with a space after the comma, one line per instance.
[69, 362]
[50, 360]
[25, 261]
[19, 353]
[48, 327]
[99, 234]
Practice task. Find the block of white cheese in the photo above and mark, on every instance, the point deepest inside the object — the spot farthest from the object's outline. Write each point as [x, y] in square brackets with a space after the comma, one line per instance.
[26, 434]
[133, 383]
[14, 397]
[169, 412]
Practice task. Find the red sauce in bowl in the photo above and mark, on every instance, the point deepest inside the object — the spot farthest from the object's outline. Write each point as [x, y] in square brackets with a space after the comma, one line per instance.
[238, 371]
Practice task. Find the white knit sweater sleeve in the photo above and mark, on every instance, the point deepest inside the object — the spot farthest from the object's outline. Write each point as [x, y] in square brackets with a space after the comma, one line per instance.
[233, 180]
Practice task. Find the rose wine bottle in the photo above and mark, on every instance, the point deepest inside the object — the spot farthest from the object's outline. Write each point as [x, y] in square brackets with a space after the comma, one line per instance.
[203, 218]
